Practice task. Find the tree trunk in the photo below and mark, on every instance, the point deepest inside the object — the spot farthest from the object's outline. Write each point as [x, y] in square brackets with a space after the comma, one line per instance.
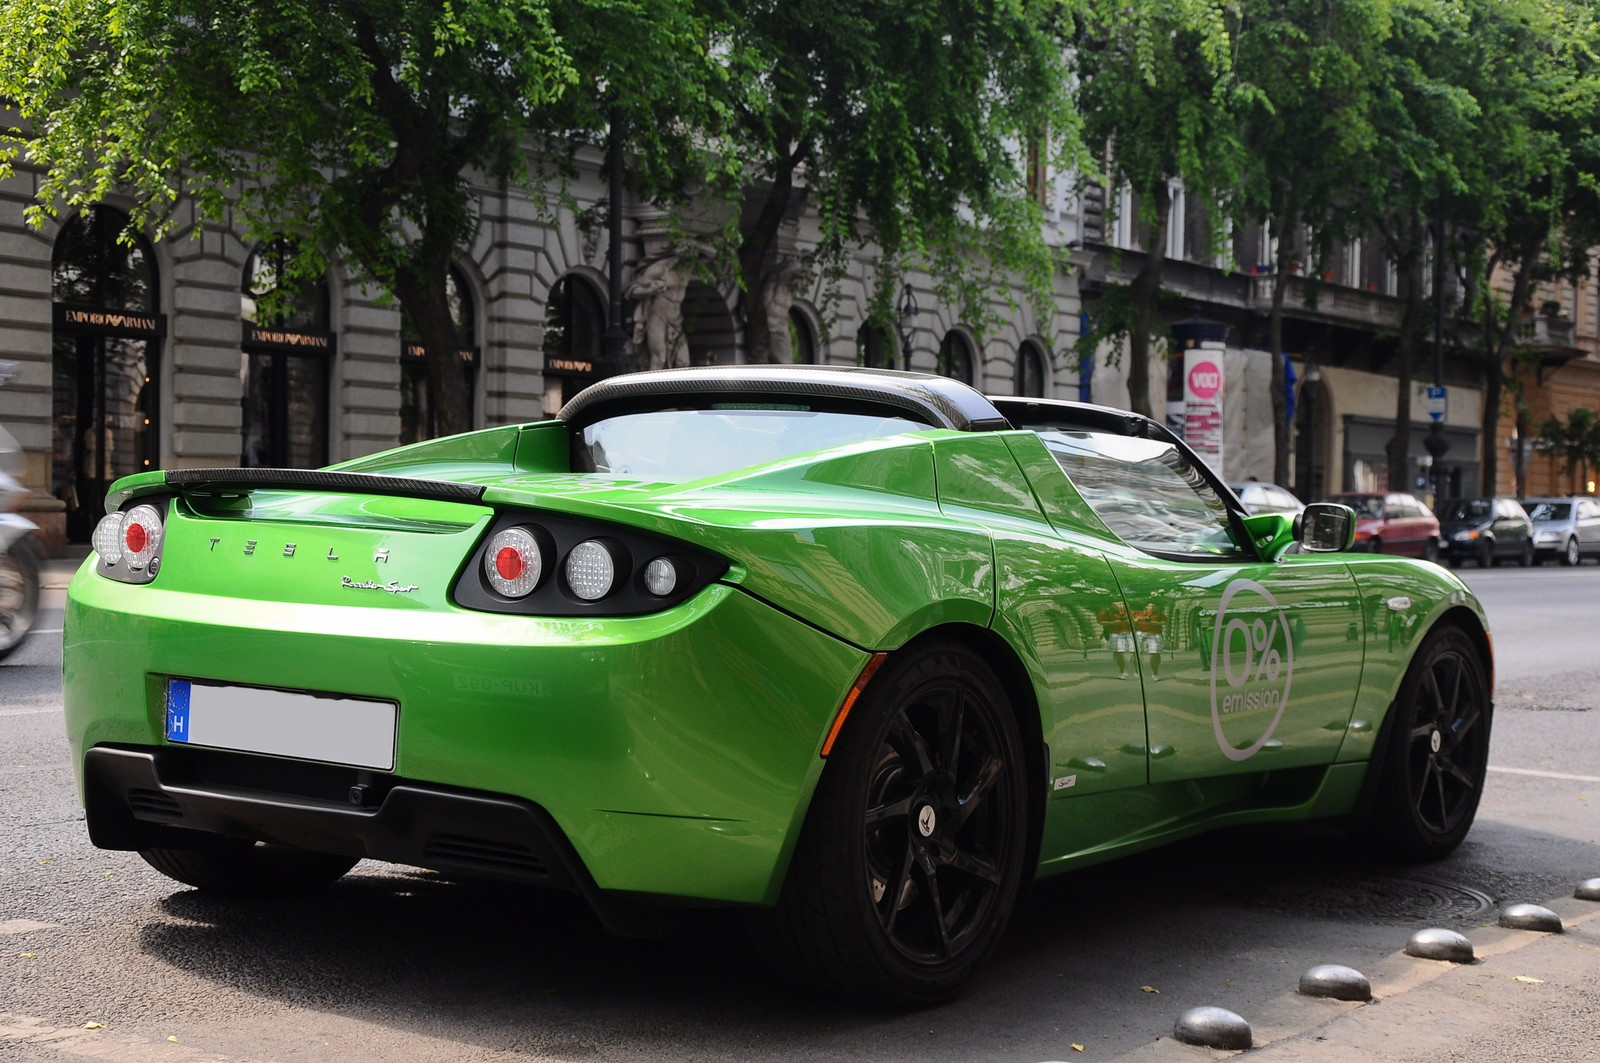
[424, 296]
[1497, 338]
[756, 255]
[1399, 450]
[1144, 292]
[1280, 398]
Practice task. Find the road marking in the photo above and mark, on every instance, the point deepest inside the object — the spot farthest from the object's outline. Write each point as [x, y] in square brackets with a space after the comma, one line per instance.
[28, 712]
[26, 926]
[108, 1045]
[1546, 774]
[46, 631]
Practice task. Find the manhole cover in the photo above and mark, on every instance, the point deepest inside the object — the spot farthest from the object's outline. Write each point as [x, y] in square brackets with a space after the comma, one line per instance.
[1367, 897]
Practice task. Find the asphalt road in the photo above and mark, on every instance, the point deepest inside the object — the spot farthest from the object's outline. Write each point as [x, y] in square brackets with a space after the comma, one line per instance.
[399, 965]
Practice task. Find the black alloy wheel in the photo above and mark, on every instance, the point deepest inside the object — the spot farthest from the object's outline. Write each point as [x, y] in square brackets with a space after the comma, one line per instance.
[911, 860]
[1437, 749]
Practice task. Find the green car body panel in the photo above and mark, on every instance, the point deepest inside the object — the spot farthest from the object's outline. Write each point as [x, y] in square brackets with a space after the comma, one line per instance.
[678, 750]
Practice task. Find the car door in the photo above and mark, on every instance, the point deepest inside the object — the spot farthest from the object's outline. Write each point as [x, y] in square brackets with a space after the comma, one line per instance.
[1405, 518]
[1589, 525]
[1247, 665]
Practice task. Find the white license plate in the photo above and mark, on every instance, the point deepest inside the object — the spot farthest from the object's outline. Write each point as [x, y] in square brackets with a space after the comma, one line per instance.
[328, 728]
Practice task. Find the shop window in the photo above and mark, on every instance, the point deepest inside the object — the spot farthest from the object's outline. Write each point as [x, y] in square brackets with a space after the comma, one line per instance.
[574, 337]
[105, 354]
[285, 363]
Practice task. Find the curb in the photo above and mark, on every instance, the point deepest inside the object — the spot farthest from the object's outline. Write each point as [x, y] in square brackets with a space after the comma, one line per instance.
[1422, 1007]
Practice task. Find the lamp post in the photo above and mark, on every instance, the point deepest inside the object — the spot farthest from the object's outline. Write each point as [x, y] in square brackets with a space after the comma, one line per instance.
[907, 310]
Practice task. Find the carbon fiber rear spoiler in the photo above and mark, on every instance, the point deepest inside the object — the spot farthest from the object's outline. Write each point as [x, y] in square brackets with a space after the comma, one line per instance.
[224, 481]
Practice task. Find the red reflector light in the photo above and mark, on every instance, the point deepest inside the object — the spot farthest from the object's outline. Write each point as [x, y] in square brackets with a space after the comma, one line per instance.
[509, 563]
[135, 538]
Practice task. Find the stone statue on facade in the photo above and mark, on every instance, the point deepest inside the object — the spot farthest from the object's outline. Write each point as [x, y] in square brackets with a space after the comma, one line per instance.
[657, 292]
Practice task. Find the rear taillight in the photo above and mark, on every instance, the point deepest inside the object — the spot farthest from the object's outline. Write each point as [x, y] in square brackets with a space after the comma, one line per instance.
[513, 562]
[129, 544]
[545, 564]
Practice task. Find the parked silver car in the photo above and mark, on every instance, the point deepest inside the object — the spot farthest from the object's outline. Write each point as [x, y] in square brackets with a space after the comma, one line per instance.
[1568, 528]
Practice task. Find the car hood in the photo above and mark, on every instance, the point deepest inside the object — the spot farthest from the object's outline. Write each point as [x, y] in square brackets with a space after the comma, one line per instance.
[1448, 527]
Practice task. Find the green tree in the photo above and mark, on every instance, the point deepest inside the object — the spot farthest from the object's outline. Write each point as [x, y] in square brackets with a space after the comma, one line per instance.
[1575, 440]
[903, 123]
[349, 127]
[1418, 172]
[1538, 148]
[1306, 125]
[1159, 103]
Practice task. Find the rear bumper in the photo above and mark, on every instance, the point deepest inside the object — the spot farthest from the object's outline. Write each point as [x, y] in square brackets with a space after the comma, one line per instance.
[671, 755]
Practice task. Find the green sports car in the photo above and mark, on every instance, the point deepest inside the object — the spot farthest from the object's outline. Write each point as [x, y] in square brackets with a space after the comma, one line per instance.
[862, 652]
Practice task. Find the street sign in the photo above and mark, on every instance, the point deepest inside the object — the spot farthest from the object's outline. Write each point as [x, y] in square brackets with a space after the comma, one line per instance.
[1437, 400]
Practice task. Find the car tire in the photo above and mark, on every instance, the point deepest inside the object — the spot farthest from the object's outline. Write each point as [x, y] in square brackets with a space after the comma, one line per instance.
[1436, 750]
[1375, 545]
[249, 870]
[1430, 551]
[1525, 559]
[1485, 553]
[1570, 556]
[913, 852]
[19, 593]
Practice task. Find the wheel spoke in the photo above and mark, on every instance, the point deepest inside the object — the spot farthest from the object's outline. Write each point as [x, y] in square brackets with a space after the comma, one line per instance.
[1455, 687]
[976, 865]
[988, 774]
[951, 721]
[1459, 774]
[911, 743]
[889, 903]
[882, 815]
[1424, 784]
[1433, 685]
[930, 875]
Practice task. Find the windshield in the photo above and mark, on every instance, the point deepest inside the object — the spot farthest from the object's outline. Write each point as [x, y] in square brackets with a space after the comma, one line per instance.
[1469, 509]
[1364, 505]
[1550, 511]
[690, 444]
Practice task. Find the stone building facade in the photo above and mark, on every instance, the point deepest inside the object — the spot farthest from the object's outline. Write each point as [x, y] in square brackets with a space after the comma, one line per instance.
[144, 357]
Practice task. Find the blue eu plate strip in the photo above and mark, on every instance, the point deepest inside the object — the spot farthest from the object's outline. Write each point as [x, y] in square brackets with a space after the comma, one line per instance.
[177, 710]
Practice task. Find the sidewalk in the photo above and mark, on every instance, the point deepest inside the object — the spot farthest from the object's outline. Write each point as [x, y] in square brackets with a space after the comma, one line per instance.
[57, 572]
[1528, 996]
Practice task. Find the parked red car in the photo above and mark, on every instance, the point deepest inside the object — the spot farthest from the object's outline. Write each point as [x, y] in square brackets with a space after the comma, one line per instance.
[1393, 523]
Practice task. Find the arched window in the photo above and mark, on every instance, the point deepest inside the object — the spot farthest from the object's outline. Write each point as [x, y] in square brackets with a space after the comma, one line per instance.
[574, 333]
[1031, 363]
[105, 344]
[286, 360]
[956, 358]
[417, 421]
[802, 337]
[873, 347]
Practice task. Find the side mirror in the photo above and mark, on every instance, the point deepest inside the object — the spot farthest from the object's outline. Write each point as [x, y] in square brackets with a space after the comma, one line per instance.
[1325, 528]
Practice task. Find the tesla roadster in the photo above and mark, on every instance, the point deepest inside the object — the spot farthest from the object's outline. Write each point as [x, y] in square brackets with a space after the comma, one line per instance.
[861, 652]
